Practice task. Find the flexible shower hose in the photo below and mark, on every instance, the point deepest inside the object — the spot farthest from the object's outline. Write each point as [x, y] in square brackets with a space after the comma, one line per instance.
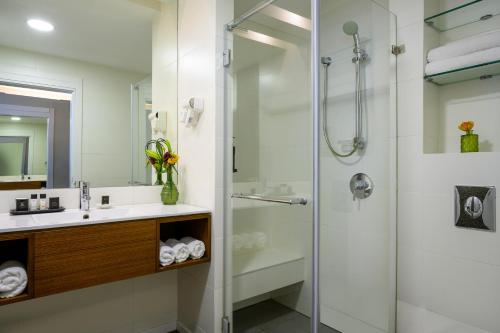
[358, 114]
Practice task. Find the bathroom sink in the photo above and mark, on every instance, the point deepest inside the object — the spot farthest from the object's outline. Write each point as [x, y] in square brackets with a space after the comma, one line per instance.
[94, 215]
[58, 218]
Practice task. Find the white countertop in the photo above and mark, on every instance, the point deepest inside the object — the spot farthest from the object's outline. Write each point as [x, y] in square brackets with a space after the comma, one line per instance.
[74, 217]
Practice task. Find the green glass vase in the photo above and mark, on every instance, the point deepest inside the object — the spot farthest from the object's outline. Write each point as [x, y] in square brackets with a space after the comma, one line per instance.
[169, 193]
[469, 143]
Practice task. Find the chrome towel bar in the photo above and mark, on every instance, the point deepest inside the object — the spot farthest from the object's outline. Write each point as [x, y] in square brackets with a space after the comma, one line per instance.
[288, 201]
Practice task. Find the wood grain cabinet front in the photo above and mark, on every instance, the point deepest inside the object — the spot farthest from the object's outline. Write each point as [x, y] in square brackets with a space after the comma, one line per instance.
[79, 257]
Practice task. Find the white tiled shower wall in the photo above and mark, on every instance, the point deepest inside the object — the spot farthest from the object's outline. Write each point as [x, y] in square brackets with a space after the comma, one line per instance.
[447, 277]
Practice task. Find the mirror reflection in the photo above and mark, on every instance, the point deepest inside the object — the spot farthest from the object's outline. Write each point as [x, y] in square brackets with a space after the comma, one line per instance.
[83, 86]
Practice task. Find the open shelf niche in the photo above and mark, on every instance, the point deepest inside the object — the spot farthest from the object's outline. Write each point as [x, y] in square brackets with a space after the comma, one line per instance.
[18, 247]
[468, 93]
[462, 13]
[197, 226]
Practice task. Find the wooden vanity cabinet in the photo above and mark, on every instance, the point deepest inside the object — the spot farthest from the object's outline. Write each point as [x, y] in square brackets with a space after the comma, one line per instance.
[69, 258]
[78, 257]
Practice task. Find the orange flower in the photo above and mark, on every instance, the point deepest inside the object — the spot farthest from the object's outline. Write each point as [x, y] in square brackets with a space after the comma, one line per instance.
[173, 159]
[466, 126]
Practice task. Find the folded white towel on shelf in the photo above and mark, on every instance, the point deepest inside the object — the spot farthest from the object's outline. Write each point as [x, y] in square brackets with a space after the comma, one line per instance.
[13, 279]
[167, 254]
[237, 243]
[468, 60]
[248, 241]
[196, 247]
[180, 249]
[483, 41]
[260, 239]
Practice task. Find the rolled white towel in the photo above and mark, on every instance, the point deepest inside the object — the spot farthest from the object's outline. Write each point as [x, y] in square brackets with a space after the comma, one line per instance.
[248, 241]
[196, 247]
[469, 60]
[167, 254]
[260, 240]
[13, 279]
[180, 249]
[483, 41]
[237, 242]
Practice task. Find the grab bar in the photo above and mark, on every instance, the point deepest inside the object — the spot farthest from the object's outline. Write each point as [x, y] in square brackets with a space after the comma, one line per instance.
[290, 201]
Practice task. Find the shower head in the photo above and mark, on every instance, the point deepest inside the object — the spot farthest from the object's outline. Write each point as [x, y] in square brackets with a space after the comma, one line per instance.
[350, 28]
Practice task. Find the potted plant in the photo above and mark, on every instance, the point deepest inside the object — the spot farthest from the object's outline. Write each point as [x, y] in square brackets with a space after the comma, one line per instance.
[469, 142]
[163, 159]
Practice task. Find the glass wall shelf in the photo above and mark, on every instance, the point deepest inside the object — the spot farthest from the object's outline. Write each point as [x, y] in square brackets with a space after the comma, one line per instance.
[481, 71]
[469, 12]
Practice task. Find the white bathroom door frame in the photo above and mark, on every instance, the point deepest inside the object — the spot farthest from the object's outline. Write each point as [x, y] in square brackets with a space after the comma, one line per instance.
[36, 112]
[71, 85]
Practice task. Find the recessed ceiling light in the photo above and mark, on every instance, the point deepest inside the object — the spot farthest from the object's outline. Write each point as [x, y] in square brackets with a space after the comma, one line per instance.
[15, 118]
[40, 25]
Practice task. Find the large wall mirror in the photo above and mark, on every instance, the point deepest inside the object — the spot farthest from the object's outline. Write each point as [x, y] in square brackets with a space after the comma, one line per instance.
[84, 84]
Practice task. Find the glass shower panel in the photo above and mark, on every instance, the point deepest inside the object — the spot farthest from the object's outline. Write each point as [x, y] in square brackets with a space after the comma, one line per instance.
[268, 250]
[357, 236]
[140, 111]
[270, 119]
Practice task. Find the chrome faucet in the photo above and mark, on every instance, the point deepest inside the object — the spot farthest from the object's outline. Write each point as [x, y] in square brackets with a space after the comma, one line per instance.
[84, 196]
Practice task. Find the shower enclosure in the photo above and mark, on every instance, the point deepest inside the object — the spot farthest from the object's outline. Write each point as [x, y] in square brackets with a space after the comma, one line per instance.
[315, 238]
[140, 110]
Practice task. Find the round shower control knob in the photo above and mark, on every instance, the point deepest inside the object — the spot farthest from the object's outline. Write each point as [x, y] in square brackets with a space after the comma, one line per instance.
[361, 186]
[473, 207]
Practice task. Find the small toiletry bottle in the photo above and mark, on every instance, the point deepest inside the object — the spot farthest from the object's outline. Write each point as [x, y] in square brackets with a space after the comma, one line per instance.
[43, 201]
[34, 202]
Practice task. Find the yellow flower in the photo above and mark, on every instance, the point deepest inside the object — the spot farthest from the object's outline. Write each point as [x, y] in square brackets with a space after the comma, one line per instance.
[173, 159]
[466, 126]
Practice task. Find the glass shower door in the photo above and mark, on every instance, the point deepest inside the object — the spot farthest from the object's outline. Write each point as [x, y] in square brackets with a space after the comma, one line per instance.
[268, 119]
[269, 126]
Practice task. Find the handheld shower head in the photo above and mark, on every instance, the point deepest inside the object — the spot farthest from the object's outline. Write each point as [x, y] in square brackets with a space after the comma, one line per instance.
[350, 28]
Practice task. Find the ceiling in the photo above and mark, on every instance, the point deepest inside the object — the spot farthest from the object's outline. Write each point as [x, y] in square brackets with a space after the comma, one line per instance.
[108, 32]
[300, 7]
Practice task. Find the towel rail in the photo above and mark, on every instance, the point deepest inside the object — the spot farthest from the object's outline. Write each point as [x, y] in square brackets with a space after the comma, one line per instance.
[289, 201]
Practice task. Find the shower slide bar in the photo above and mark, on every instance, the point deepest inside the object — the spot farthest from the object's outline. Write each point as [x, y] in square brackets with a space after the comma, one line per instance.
[289, 201]
[246, 15]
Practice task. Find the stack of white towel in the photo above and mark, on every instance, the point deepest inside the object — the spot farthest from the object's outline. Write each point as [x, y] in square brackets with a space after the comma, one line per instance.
[249, 241]
[13, 279]
[177, 251]
[467, 52]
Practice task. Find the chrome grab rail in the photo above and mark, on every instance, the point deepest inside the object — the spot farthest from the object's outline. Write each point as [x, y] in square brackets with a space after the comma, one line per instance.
[290, 201]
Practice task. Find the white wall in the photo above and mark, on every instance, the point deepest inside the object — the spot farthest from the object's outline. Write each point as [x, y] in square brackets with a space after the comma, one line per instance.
[447, 277]
[165, 67]
[449, 105]
[200, 149]
[105, 109]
